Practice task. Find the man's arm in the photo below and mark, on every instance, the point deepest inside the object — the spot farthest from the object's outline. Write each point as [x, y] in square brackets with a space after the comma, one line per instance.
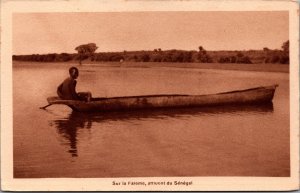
[73, 90]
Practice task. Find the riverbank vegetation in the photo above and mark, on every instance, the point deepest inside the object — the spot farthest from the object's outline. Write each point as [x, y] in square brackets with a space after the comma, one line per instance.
[201, 55]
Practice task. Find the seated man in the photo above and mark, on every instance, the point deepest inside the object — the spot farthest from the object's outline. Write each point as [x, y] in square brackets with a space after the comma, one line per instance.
[66, 90]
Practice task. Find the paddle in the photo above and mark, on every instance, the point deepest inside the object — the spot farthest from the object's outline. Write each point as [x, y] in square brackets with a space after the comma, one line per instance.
[44, 107]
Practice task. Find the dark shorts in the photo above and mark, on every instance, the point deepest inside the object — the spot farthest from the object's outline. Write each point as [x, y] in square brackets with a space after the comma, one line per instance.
[85, 96]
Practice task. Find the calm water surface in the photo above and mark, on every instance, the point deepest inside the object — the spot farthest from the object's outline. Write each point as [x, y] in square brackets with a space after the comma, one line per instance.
[231, 141]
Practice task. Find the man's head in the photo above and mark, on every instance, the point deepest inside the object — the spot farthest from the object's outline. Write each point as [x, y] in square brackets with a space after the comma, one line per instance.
[74, 73]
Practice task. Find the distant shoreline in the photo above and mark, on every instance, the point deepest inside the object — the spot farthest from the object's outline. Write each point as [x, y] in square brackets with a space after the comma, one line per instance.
[284, 68]
[86, 52]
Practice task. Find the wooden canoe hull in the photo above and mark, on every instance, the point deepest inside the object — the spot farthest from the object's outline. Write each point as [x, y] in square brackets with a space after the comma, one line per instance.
[249, 96]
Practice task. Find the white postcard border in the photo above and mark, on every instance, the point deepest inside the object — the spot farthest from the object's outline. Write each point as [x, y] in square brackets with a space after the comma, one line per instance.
[105, 184]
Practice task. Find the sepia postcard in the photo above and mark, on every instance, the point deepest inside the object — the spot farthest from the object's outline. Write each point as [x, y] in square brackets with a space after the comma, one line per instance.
[127, 95]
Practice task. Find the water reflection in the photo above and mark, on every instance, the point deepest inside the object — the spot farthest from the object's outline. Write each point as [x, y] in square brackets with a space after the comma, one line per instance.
[68, 128]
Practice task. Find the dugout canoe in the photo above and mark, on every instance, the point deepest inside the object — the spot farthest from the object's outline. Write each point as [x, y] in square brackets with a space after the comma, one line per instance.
[258, 95]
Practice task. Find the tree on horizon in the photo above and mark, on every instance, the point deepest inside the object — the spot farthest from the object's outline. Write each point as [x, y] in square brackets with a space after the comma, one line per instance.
[286, 46]
[86, 50]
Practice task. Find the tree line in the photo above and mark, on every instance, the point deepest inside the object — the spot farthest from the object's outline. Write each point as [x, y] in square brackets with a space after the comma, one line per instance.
[87, 52]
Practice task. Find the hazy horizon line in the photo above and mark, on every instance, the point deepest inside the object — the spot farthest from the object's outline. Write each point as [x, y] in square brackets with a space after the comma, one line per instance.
[245, 50]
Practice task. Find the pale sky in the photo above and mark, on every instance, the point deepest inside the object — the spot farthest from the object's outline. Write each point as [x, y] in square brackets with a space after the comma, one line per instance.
[41, 33]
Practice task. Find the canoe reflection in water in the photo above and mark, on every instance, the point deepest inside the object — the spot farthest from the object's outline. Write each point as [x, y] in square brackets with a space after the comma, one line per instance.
[69, 127]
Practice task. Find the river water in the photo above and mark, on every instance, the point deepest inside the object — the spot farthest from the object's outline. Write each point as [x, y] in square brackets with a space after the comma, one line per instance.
[219, 141]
